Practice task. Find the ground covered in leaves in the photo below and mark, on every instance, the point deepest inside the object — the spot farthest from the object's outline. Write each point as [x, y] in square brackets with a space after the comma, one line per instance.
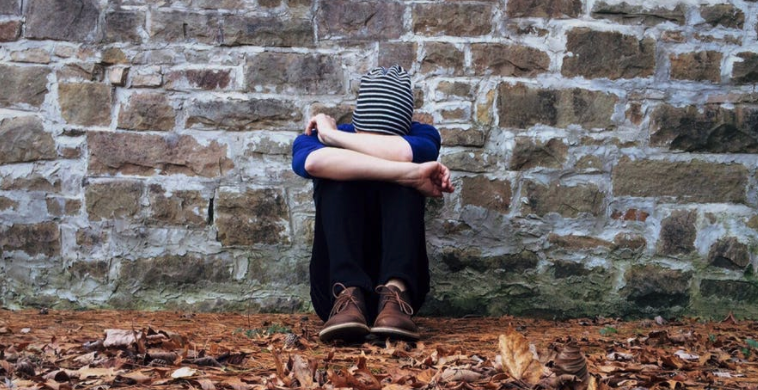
[109, 349]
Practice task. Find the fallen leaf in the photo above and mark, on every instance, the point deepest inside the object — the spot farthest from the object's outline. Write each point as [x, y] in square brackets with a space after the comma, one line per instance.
[236, 384]
[183, 372]
[518, 359]
[206, 384]
[5, 330]
[137, 377]
[119, 338]
[571, 361]
[686, 356]
[459, 375]
[26, 330]
[87, 372]
[302, 371]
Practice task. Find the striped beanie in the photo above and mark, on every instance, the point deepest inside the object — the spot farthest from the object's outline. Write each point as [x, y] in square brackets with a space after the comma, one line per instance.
[385, 102]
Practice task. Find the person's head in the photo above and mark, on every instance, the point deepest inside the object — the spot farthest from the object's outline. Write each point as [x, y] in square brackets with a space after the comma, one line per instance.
[385, 102]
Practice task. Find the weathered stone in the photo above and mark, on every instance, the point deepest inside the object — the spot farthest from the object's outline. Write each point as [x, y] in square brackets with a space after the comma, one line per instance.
[694, 181]
[673, 36]
[219, 4]
[267, 32]
[726, 15]
[82, 70]
[442, 58]
[576, 242]
[113, 55]
[24, 139]
[521, 107]
[459, 259]
[123, 26]
[173, 271]
[529, 154]
[206, 79]
[38, 239]
[87, 104]
[635, 14]
[634, 113]
[66, 20]
[711, 130]
[623, 56]
[453, 19]
[569, 202]
[678, 233]
[635, 242]
[10, 30]
[736, 290]
[470, 161]
[719, 38]
[630, 215]
[455, 113]
[360, 21]
[729, 253]
[745, 71]
[492, 194]
[243, 115]
[147, 154]
[23, 85]
[447, 90]
[699, 66]
[342, 114]
[149, 77]
[117, 75]
[460, 137]
[113, 200]
[270, 146]
[33, 56]
[570, 269]
[544, 8]
[397, 53]
[589, 163]
[285, 72]
[178, 26]
[657, 287]
[7, 203]
[35, 181]
[508, 60]
[178, 207]
[10, 7]
[257, 216]
[269, 3]
[147, 111]
[62, 206]
[525, 27]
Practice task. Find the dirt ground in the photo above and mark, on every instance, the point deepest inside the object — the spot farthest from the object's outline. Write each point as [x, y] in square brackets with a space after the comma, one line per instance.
[108, 349]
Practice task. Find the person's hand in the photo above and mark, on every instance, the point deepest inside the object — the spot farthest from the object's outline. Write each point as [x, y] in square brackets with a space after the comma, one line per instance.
[432, 179]
[324, 124]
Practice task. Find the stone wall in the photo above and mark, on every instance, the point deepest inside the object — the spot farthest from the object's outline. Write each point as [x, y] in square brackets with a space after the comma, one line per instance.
[604, 150]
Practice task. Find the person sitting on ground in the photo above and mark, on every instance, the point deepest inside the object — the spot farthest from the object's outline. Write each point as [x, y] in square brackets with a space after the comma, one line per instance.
[369, 263]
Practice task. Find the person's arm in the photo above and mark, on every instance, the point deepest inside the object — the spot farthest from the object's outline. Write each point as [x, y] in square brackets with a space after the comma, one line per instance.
[387, 147]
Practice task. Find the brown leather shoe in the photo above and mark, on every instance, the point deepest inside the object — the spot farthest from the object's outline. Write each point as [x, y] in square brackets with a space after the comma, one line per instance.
[346, 321]
[395, 311]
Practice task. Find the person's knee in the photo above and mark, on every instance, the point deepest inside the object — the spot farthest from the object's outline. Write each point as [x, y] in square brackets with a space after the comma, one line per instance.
[326, 187]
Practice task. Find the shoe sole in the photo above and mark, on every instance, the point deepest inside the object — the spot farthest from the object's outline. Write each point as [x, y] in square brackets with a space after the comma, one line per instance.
[395, 332]
[350, 331]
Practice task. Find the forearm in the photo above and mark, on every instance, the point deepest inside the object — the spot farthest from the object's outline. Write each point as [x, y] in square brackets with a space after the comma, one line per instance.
[345, 164]
[387, 147]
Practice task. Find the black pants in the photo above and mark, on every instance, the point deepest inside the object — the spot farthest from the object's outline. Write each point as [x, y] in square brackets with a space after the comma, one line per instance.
[366, 233]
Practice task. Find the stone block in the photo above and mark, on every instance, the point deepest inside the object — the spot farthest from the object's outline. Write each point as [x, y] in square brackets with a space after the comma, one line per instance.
[461, 137]
[177, 207]
[726, 15]
[687, 182]
[397, 53]
[454, 90]
[59, 207]
[458, 259]
[257, 216]
[64, 20]
[678, 233]
[31, 182]
[452, 18]
[113, 200]
[148, 77]
[35, 239]
[24, 139]
[32, 56]
[528, 154]
[318, 74]
[244, 115]
[123, 26]
[544, 8]
[81, 70]
[203, 79]
[170, 26]
[219, 4]
[729, 253]
[634, 14]
[186, 271]
[746, 70]
[623, 56]
[521, 107]
[736, 290]
[87, 104]
[147, 154]
[710, 129]
[147, 111]
[442, 58]
[10, 30]
[23, 85]
[491, 194]
[360, 21]
[569, 202]
[575, 242]
[699, 66]
[342, 114]
[634, 242]
[477, 161]
[10, 7]
[656, 287]
[630, 215]
[508, 60]
[267, 32]
[7, 203]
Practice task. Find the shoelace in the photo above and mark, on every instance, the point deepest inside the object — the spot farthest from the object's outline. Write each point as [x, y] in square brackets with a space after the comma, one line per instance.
[390, 295]
[343, 299]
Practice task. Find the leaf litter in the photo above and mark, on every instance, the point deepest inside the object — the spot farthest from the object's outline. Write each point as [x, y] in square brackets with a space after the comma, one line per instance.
[169, 350]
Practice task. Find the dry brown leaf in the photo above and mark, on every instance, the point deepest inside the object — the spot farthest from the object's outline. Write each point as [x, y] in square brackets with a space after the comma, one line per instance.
[183, 372]
[571, 361]
[518, 359]
[136, 376]
[460, 375]
[236, 384]
[206, 384]
[87, 372]
[119, 338]
[302, 371]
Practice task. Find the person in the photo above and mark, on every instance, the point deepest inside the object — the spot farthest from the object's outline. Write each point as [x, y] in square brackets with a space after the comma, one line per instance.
[370, 178]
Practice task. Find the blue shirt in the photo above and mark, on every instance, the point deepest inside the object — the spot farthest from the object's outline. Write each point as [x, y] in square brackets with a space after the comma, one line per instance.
[424, 140]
